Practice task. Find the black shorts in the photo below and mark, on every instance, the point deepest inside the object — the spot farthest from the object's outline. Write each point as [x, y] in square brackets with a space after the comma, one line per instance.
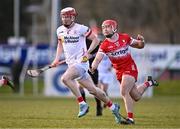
[94, 76]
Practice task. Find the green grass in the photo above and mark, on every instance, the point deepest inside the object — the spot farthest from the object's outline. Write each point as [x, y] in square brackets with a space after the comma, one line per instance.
[161, 111]
[41, 112]
[168, 88]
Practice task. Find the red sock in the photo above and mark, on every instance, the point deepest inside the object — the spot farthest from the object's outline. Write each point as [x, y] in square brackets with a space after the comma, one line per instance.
[80, 99]
[130, 115]
[109, 104]
[147, 84]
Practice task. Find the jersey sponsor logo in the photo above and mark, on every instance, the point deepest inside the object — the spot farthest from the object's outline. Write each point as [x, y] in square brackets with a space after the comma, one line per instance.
[119, 52]
[71, 39]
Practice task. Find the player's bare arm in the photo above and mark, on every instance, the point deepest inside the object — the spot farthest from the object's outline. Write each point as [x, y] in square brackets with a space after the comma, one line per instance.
[139, 42]
[58, 53]
[96, 61]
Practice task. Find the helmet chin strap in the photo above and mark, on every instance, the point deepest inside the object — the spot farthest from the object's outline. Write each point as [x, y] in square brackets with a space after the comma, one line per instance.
[67, 26]
[109, 35]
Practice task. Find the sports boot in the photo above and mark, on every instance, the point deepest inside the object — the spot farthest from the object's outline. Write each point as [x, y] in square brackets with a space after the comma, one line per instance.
[127, 122]
[83, 109]
[153, 82]
[116, 114]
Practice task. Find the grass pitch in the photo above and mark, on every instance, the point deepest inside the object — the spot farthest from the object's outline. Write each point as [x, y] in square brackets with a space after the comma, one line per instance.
[161, 111]
[41, 112]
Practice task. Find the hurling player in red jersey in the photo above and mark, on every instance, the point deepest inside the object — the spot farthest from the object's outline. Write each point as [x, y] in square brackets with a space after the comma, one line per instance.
[116, 47]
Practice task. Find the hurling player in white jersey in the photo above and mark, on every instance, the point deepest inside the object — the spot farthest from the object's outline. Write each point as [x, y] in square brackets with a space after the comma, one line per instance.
[71, 41]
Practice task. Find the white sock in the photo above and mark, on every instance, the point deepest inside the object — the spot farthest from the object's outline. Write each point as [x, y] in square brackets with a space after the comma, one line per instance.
[83, 102]
[150, 83]
[131, 119]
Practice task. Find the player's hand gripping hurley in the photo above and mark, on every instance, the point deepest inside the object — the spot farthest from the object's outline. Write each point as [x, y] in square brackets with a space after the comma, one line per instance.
[37, 72]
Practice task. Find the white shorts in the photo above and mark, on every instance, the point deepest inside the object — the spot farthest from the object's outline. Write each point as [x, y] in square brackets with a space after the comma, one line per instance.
[83, 70]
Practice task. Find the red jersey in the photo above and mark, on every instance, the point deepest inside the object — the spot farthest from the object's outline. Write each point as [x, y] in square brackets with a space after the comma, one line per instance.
[119, 54]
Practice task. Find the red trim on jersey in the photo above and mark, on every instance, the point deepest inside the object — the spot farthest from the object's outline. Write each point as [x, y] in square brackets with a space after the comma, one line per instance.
[89, 33]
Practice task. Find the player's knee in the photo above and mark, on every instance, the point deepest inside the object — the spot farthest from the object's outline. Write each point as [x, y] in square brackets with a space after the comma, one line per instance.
[136, 98]
[64, 79]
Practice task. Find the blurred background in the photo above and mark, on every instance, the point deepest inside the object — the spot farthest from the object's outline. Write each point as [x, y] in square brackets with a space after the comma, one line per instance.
[157, 20]
[28, 39]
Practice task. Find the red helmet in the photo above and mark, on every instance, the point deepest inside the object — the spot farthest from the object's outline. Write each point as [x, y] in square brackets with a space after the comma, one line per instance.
[112, 23]
[69, 11]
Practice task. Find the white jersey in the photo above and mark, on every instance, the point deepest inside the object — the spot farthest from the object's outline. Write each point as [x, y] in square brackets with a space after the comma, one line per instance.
[74, 42]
